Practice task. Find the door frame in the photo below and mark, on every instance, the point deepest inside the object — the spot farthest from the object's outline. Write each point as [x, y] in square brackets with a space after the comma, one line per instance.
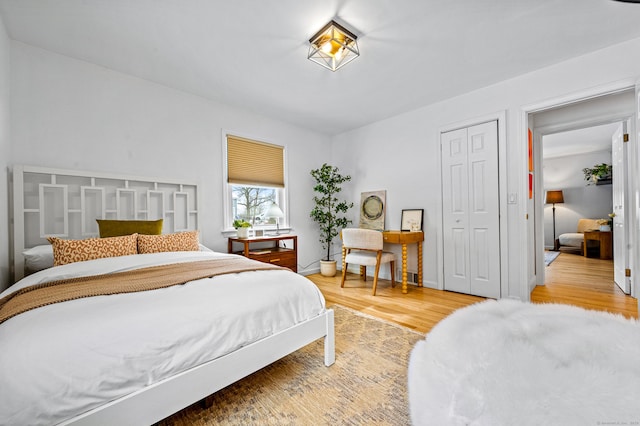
[500, 117]
[536, 247]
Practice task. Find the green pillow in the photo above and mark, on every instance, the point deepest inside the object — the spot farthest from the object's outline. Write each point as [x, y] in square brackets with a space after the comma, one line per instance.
[117, 228]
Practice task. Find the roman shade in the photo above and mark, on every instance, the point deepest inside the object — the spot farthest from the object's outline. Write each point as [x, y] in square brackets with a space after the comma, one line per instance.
[254, 163]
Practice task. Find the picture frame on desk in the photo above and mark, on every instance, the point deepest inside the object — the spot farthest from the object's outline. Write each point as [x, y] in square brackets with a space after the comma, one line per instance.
[411, 219]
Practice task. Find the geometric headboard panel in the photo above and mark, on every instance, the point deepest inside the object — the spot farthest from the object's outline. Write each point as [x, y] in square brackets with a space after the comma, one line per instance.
[66, 203]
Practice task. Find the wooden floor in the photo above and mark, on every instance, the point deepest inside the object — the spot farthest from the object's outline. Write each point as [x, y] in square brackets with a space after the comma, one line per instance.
[420, 309]
[571, 279]
[585, 282]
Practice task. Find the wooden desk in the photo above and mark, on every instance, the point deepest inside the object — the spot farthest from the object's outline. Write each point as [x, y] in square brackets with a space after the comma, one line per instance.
[604, 239]
[404, 238]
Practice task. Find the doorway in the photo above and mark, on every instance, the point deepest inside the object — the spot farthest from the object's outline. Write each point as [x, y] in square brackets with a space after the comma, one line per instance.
[559, 164]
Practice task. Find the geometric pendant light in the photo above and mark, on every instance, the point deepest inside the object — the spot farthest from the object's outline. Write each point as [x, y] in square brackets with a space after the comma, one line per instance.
[333, 46]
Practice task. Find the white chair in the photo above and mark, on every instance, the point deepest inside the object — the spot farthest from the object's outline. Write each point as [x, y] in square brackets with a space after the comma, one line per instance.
[364, 247]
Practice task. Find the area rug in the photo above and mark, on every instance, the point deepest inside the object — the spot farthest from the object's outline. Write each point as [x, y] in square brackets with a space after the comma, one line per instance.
[366, 385]
[512, 363]
[550, 256]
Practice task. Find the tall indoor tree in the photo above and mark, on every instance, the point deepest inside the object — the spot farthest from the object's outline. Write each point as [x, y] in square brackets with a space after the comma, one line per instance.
[329, 211]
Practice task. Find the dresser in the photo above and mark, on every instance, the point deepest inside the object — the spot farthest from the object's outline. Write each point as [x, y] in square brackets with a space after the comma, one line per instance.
[281, 250]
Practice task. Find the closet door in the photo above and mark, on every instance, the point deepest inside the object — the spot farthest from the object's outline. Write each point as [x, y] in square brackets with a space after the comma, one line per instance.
[471, 222]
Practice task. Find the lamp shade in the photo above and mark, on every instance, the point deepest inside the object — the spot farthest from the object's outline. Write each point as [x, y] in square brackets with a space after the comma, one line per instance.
[274, 211]
[554, 197]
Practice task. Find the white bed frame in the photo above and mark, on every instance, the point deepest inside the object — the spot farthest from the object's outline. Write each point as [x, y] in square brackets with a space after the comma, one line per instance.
[65, 203]
[164, 398]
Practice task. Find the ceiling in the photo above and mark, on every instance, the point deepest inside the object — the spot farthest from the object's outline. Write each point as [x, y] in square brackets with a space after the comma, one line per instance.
[252, 53]
[581, 141]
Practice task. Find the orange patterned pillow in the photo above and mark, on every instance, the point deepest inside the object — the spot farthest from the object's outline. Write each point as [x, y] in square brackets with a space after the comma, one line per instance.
[69, 251]
[181, 241]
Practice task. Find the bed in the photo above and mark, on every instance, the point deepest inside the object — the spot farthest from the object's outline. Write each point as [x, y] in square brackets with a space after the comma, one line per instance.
[138, 357]
[507, 362]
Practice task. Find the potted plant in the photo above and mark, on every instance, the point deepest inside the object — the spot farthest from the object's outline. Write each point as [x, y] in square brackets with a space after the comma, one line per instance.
[597, 173]
[242, 227]
[606, 224]
[329, 211]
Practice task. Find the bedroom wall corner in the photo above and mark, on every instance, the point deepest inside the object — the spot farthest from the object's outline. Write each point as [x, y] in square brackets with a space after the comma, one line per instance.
[5, 157]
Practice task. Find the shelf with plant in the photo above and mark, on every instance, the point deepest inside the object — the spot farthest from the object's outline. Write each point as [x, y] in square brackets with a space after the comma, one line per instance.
[599, 173]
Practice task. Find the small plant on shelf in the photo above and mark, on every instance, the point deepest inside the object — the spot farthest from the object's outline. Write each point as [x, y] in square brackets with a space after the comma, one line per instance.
[242, 227]
[240, 223]
[597, 173]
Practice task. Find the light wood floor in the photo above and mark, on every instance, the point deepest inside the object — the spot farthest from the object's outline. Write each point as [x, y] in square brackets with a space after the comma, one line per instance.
[571, 279]
[586, 282]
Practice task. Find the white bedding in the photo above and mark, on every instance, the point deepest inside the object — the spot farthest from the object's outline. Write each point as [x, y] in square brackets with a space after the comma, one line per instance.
[64, 359]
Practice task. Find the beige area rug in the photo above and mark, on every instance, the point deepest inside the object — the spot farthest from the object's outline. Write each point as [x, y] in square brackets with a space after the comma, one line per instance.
[366, 385]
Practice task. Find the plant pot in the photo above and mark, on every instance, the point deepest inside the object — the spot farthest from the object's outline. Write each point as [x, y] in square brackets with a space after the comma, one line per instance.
[605, 228]
[328, 268]
[243, 232]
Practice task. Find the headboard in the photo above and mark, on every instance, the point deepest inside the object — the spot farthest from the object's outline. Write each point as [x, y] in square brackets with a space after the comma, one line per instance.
[66, 203]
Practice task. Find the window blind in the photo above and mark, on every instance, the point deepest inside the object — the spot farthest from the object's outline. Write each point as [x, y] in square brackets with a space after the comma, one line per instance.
[254, 163]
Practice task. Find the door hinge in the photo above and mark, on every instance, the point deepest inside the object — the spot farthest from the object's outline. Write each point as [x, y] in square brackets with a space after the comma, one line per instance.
[625, 137]
[627, 272]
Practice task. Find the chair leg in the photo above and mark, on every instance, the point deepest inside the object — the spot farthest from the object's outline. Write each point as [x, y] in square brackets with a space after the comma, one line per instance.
[375, 277]
[344, 273]
[392, 265]
[363, 273]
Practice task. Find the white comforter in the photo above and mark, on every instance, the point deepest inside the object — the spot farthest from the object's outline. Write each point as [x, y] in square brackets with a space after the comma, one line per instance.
[64, 359]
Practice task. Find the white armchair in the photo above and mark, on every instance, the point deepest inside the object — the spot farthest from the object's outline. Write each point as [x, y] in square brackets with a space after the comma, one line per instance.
[364, 247]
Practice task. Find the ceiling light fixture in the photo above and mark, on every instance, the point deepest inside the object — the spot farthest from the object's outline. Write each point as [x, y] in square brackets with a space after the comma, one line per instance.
[333, 46]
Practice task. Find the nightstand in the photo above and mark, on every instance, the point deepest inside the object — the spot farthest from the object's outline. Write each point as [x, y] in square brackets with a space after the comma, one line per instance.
[268, 249]
[604, 238]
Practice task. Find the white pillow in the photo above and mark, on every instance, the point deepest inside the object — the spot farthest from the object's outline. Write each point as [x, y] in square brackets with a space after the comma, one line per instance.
[38, 258]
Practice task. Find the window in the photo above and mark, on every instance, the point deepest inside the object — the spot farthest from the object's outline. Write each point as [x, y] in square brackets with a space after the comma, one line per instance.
[255, 180]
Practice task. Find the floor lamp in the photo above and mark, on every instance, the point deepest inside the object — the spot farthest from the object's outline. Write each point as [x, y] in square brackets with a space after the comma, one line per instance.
[554, 197]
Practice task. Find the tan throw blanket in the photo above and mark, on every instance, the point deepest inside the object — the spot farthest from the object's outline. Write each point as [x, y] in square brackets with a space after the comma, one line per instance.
[150, 278]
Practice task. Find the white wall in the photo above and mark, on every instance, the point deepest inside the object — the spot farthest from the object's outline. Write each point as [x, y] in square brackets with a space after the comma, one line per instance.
[580, 200]
[5, 154]
[401, 154]
[75, 115]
